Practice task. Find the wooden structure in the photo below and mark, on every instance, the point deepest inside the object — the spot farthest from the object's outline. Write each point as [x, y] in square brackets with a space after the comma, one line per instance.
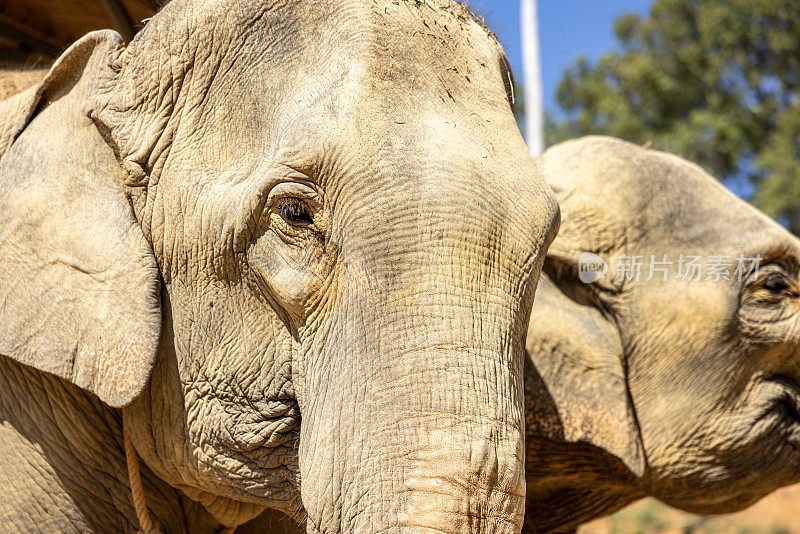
[34, 32]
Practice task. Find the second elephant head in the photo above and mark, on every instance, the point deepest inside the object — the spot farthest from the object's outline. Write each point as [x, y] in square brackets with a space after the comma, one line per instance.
[664, 348]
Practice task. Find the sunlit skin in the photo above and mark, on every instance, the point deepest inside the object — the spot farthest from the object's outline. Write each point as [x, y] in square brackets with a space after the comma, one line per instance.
[683, 389]
[294, 246]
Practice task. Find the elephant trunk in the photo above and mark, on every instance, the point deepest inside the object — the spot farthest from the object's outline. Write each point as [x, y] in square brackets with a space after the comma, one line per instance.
[460, 454]
[411, 398]
[423, 436]
[431, 450]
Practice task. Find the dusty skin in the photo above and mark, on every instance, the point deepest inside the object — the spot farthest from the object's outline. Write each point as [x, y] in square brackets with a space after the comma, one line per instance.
[684, 390]
[584, 445]
[679, 389]
[255, 213]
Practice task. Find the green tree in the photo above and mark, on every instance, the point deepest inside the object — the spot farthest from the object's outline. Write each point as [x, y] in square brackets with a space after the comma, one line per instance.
[715, 81]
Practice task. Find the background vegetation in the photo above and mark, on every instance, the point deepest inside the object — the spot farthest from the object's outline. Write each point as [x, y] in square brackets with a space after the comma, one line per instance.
[711, 80]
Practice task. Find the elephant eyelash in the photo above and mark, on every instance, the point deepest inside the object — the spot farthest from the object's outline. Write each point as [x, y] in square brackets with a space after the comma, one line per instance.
[296, 212]
[298, 218]
[776, 284]
[773, 285]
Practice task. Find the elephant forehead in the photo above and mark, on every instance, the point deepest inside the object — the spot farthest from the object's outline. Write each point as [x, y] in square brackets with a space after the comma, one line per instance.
[656, 199]
[199, 29]
[437, 45]
[250, 69]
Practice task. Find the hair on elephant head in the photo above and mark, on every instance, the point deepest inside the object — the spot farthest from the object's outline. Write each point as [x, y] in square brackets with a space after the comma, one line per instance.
[297, 244]
[663, 343]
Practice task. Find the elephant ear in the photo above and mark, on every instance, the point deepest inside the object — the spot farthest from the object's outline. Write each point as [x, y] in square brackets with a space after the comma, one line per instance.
[577, 351]
[79, 285]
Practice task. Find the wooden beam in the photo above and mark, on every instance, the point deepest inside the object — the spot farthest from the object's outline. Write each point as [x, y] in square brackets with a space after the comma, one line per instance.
[14, 57]
[27, 41]
[120, 18]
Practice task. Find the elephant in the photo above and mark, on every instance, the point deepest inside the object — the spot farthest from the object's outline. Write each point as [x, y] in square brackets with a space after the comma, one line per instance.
[277, 255]
[13, 81]
[673, 382]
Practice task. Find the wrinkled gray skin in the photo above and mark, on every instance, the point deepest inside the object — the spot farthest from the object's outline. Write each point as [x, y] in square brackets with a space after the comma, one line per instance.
[294, 247]
[683, 390]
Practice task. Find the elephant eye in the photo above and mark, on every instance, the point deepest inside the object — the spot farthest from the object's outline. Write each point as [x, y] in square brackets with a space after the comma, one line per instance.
[296, 212]
[775, 284]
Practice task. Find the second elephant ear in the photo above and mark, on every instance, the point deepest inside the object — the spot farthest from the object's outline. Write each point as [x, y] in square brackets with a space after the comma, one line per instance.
[578, 355]
[79, 284]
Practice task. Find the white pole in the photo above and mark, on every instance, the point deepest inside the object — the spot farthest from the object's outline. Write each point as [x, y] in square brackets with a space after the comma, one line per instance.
[532, 75]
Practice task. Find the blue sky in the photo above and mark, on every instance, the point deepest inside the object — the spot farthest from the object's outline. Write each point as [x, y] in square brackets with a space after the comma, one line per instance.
[567, 29]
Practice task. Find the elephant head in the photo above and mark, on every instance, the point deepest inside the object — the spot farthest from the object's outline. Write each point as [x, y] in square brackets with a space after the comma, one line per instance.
[297, 245]
[664, 349]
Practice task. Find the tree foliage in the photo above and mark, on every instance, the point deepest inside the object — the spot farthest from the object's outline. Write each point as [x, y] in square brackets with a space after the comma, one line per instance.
[715, 81]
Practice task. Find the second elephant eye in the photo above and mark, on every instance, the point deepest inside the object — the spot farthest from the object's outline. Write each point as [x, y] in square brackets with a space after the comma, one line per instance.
[296, 212]
[775, 284]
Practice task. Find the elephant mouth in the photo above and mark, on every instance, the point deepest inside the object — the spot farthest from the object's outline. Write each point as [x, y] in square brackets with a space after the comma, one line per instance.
[787, 403]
